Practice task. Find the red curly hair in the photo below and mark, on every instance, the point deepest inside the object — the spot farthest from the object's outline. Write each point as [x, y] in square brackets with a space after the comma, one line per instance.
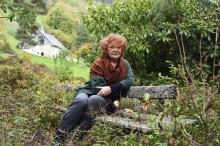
[115, 38]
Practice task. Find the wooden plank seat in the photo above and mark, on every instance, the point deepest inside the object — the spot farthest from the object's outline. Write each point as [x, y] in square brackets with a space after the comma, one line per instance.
[155, 92]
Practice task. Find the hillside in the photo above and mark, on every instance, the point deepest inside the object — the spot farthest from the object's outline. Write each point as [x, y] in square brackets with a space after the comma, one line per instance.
[11, 36]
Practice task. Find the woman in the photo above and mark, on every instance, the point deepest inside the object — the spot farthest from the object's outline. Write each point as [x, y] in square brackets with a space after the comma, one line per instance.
[110, 78]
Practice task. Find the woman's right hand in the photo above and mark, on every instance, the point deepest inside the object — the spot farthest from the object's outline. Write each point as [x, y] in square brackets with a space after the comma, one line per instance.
[105, 90]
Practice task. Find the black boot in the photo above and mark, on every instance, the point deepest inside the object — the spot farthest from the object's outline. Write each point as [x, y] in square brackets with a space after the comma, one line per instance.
[59, 138]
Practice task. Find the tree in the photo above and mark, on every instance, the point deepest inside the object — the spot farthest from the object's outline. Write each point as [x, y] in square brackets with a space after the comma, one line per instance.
[61, 19]
[133, 20]
[4, 45]
[82, 35]
[158, 31]
[23, 12]
[183, 32]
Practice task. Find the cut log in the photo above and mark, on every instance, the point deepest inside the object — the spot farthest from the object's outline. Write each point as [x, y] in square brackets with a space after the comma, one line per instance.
[166, 120]
[125, 123]
[142, 124]
[155, 92]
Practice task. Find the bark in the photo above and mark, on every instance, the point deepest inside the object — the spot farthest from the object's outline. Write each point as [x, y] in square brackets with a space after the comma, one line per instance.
[200, 49]
[145, 59]
[216, 45]
[155, 92]
[123, 119]
[125, 123]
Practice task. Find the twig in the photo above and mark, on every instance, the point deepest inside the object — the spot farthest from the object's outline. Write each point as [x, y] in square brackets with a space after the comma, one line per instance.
[183, 47]
[205, 116]
[216, 45]
[189, 137]
[181, 54]
[178, 43]
[200, 49]
[3, 17]
[32, 138]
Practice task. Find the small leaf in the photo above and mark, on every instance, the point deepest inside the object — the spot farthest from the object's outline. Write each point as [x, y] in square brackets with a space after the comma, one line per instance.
[128, 110]
[178, 109]
[116, 103]
[146, 97]
[4, 9]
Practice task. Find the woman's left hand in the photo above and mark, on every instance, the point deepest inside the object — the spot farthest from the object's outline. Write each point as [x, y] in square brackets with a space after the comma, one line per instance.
[105, 90]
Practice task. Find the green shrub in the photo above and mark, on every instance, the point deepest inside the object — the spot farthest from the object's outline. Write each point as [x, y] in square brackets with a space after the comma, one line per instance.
[63, 69]
[106, 134]
[29, 105]
[4, 45]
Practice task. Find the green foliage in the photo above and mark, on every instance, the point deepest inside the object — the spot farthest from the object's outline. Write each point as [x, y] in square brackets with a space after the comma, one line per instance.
[24, 13]
[156, 31]
[62, 23]
[66, 40]
[82, 35]
[4, 43]
[63, 69]
[70, 72]
[105, 134]
[57, 19]
[28, 104]
[130, 19]
[85, 52]
[182, 32]
[196, 104]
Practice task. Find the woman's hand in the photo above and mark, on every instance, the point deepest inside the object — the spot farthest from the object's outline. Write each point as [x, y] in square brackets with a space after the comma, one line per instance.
[105, 90]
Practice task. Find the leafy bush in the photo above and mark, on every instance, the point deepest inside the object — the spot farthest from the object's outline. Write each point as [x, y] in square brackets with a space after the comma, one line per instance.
[184, 32]
[66, 39]
[29, 105]
[62, 23]
[63, 69]
[106, 134]
[4, 45]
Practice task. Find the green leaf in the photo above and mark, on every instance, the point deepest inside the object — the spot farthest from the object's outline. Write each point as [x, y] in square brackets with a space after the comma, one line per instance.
[146, 97]
[178, 108]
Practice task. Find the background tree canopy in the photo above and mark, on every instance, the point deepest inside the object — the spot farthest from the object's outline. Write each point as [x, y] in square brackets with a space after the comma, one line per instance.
[62, 23]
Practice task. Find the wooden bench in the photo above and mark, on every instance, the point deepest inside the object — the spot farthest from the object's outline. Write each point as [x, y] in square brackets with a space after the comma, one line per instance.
[139, 92]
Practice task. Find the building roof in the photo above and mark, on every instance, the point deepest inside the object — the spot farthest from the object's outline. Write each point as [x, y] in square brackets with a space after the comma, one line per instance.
[51, 39]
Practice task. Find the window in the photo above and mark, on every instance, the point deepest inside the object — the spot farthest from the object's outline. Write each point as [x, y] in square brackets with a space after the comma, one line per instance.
[41, 40]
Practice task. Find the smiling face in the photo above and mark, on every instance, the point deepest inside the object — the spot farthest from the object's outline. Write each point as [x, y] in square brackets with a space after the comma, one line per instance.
[113, 46]
[114, 50]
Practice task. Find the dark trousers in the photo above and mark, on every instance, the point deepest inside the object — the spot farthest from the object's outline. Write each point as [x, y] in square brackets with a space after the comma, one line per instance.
[83, 110]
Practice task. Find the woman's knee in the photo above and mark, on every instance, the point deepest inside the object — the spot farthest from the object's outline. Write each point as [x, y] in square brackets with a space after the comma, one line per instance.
[96, 101]
[81, 99]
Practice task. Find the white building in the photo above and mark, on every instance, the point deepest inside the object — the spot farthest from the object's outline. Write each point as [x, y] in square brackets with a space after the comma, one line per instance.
[46, 45]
